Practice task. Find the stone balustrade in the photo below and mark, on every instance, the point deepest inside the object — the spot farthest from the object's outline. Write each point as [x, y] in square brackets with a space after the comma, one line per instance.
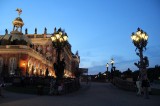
[25, 49]
[124, 84]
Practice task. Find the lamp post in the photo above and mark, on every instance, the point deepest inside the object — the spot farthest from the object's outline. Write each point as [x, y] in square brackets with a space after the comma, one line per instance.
[112, 63]
[140, 40]
[107, 74]
[107, 65]
[59, 40]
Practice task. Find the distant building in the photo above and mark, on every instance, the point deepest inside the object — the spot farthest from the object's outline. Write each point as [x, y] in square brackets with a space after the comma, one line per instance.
[32, 53]
[84, 71]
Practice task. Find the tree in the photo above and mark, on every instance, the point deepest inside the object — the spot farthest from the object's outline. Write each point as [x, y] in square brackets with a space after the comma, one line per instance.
[127, 73]
[117, 73]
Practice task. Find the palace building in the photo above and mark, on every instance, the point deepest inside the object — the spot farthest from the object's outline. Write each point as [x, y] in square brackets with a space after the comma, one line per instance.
[32, 54]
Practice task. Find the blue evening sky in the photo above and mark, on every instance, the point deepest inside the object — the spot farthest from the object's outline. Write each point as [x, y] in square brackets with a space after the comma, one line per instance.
[98, 29]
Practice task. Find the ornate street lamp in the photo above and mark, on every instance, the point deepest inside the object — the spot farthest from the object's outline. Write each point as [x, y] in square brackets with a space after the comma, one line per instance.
[59, 40]
[112, 63]
[140, 40]
[107, 73]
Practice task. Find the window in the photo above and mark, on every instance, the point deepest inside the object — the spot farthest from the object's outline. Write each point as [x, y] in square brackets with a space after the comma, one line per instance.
[12, 65]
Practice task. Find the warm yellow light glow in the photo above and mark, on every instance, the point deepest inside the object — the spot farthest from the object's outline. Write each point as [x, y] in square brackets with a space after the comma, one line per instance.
[146, 38]
[34, 71]
[143, 35]
[140, 38]
[60, 33]
[65, 38]
[137, 39]
[23, 64]
[53, 38]
[58, 36]
[138, 33]
[133, 37]
[66, 75]
[61, 39]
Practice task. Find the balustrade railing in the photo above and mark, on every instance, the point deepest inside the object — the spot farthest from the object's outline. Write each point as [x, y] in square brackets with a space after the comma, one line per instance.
[29, 50]
[124, 84]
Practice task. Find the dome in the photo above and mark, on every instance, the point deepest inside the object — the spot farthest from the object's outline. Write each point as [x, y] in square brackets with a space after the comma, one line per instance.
[18, 22]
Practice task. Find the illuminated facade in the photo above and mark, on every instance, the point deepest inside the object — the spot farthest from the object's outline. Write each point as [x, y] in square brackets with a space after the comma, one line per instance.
[32, 53]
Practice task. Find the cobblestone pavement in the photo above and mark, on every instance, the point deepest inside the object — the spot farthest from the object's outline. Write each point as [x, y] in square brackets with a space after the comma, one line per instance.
[93, 94]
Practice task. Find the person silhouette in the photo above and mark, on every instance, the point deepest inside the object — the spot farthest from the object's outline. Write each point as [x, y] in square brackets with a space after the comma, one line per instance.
[138, 85]
[47, 72]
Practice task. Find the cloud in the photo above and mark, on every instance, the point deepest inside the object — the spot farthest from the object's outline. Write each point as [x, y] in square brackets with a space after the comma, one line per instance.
[118, 58]
[122, 66]
[122, 62]
[90, 58]
[96, 69]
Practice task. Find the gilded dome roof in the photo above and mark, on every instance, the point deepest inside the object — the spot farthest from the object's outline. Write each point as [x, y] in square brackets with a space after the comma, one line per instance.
[18, 22]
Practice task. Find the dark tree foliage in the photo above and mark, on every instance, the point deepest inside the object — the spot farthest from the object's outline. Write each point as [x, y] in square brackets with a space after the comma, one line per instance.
[117, 73]
[128, 73]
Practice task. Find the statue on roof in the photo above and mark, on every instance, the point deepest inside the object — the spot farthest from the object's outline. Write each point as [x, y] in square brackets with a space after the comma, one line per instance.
[26, 31]
[19, 11]
[77, 52]
[45, 30]
[18, 22]
[35, 31]
[55, 30]
[59, 30]
[6, 31]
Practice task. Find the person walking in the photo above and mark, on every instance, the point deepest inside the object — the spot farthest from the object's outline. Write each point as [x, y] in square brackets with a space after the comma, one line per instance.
[145, 84]
[138, 85]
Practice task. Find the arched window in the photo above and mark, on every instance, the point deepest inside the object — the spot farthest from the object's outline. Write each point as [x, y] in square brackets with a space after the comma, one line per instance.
[1, 64]
[12, 65]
